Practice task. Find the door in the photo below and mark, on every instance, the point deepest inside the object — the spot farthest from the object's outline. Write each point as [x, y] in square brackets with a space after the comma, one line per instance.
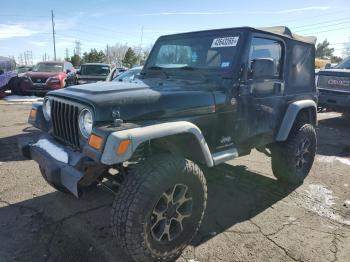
[261, 98]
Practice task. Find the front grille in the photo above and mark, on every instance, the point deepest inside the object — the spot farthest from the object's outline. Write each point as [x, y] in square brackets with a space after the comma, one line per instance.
[38, 80]
[65, 122]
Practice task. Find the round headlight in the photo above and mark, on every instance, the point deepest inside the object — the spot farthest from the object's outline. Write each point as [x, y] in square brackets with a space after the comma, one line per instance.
[85, 122]
[47, 109]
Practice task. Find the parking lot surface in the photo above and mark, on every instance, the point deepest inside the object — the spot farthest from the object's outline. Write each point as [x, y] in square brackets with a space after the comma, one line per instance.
[249, 217]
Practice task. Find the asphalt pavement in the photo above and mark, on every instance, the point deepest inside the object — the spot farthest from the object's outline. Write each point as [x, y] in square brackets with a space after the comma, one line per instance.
[249, 217]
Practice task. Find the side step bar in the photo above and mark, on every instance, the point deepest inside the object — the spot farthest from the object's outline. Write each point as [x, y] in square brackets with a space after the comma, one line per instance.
[224, 156]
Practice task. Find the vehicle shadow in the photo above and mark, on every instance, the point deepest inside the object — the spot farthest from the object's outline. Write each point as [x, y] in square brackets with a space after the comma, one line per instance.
[236, 194]
[8, 145]
[68, 229]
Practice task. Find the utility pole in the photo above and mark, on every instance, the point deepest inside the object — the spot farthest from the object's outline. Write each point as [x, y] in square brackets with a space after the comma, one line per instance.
[140, 49]
[53, 35]
[67, 54]
[77, 49]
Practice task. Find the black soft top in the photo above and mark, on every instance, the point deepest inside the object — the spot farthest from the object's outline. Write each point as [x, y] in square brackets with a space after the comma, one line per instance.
[275, 30]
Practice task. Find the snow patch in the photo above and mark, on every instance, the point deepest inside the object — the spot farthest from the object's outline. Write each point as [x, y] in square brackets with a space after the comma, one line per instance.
[14, 98]
[347, 202]
[193, 260]
[56, 152]
[331, 159]
[320, 200]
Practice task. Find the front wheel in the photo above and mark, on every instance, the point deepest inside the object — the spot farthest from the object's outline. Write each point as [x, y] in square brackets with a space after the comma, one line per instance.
[159, 208]
[292, 160]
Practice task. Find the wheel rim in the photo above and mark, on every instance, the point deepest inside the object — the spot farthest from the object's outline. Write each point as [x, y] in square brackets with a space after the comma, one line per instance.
[303, 153]
[172, 208]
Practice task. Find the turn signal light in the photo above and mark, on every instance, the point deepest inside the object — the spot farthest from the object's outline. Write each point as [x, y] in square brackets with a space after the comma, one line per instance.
[95, 141]
[33, 113]
[123, 146]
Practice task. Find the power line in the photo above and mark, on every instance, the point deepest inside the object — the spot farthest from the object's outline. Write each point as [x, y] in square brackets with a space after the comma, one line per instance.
[335, 29]
[308, 18]
[325, 22]
[308, 29]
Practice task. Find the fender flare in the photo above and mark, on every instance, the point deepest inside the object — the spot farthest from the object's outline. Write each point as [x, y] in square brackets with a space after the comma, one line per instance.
[142, 134]
[290, 116]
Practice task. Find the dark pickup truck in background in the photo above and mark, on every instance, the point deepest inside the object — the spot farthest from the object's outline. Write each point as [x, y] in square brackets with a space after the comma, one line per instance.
[334, 87]
[93, 72]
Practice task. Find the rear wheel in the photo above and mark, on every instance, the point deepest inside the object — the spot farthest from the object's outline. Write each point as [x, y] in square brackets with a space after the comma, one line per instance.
[292, 160]
[159, 208]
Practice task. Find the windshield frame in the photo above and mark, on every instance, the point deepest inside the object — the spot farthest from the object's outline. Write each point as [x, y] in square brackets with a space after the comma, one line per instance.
[201, 34]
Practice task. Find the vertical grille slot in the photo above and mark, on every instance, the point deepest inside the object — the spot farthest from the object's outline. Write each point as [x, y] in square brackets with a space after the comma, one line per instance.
[65, 122]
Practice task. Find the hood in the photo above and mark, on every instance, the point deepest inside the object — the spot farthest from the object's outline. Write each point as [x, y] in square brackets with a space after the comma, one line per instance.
[42, 74]
[141, 100]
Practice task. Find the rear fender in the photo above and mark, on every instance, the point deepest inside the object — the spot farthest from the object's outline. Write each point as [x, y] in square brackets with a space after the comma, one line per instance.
[291, 115]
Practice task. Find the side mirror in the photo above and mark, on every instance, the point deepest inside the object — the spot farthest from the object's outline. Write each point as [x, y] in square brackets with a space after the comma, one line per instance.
[328, 66]
[263, 68]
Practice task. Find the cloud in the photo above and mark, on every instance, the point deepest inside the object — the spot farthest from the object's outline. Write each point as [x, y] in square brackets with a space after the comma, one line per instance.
[38, 43]
[295, 10]
[284, 11]
[15, 30]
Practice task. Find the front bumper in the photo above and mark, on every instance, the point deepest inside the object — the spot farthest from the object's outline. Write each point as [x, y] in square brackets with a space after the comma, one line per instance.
[56, 172]
[334, 100]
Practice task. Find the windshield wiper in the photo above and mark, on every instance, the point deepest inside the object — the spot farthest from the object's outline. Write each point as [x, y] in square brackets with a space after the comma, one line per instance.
[159, 69]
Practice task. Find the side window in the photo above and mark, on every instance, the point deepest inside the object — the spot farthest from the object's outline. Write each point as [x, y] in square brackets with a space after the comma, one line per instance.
[269, 49]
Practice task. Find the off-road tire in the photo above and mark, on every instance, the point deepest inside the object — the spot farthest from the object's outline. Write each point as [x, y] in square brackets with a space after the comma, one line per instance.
[284, 156]
[137, 198]
[57, 187]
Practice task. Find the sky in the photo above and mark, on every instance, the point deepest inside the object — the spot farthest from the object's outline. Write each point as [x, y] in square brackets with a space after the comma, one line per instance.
[26, 25]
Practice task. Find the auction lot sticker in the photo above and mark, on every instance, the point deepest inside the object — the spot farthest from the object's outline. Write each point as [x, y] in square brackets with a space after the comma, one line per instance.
[225, 42]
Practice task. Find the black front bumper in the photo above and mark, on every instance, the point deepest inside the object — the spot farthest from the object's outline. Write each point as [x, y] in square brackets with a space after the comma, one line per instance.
[58, 173]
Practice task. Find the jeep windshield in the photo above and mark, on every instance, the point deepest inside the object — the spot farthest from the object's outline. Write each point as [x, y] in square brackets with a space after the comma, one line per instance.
[345, 64]
[48, 67]
[194, 52]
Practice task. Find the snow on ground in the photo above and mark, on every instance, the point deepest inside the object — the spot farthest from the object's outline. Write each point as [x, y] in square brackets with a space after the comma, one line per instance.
[14, 98]
[321, 200]
[56, 152]
[330, 159]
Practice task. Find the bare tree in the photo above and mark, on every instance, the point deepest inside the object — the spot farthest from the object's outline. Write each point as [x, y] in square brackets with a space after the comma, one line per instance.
[117, 53]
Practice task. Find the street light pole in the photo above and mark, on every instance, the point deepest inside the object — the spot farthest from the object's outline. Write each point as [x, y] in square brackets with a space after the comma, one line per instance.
[53, 35]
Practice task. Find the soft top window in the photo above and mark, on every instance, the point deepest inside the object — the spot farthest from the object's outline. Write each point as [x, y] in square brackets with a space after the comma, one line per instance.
[267, 48]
